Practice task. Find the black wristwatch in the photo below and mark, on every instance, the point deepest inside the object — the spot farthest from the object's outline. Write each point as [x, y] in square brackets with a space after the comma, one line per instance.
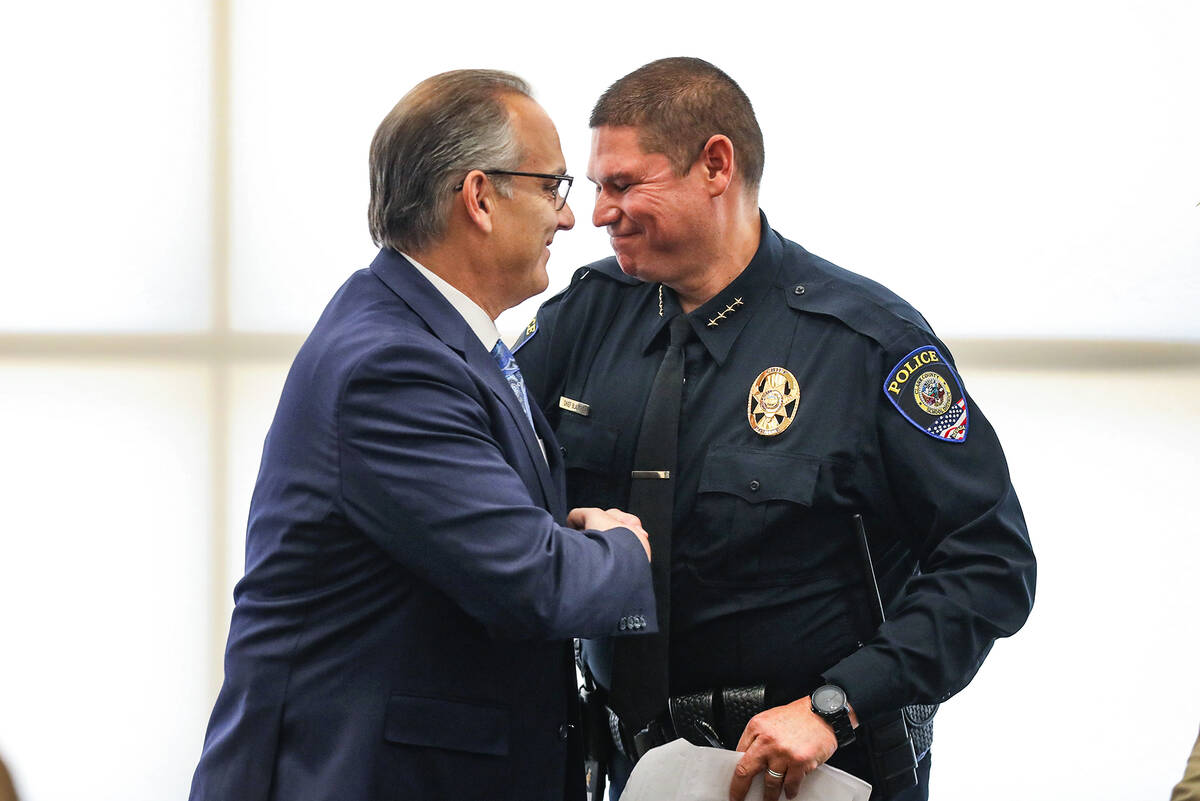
[829, 701]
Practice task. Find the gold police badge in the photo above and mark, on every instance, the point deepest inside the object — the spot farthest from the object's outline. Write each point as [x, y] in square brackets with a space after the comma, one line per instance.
[774, 398]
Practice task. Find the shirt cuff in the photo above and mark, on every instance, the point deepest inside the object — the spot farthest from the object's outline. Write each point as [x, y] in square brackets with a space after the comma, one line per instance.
[871, 683]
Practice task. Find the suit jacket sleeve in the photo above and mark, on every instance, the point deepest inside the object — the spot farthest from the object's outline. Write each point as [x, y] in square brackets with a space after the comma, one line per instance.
[424, 476]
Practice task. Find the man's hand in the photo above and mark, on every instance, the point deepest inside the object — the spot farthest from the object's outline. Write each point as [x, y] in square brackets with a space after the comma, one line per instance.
[791, 740]
[589, 517]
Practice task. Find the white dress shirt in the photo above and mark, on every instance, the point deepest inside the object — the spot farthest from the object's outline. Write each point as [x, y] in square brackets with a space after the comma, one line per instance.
[476, 318]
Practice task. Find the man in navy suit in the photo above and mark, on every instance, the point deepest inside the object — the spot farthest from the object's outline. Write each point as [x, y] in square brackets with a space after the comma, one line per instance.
[412, 583]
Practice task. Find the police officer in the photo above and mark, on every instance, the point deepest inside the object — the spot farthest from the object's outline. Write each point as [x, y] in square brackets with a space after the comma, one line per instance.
[811, 400]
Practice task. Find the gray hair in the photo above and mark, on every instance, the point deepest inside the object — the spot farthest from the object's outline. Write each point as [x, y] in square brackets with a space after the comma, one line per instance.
[442, 129]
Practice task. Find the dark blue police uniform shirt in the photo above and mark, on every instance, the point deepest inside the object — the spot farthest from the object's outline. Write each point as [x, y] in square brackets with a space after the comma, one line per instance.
[767, 580]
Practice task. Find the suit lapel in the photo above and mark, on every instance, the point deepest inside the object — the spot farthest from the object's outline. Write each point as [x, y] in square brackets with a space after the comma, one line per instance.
[448, 325]
[558, 472]
[483, 364]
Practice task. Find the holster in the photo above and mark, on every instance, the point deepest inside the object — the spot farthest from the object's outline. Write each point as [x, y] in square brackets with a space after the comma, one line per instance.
[889, 741]
[597, 741]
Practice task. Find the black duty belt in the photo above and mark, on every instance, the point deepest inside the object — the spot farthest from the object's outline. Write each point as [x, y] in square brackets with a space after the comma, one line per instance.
[714, 718]
[718, 718]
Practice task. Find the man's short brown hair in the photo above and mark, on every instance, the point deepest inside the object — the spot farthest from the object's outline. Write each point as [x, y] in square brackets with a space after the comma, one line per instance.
[677, 105]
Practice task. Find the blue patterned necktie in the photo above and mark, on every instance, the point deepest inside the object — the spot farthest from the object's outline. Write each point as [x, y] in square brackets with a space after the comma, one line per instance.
[512, 374]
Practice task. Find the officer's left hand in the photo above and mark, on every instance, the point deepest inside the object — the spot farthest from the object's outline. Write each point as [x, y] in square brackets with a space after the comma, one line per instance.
[791, 740]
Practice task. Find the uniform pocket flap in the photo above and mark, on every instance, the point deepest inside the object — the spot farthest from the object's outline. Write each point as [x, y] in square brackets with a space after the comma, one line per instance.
[756, 474]
[587, 444]
[441, 723]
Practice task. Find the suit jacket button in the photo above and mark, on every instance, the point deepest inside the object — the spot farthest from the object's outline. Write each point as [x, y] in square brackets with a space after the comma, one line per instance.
[563, 731]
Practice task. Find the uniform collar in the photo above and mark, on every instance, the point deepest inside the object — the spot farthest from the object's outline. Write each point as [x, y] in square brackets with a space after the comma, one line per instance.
[719, 321]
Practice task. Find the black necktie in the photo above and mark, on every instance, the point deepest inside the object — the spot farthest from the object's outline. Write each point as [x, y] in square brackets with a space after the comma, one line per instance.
[639, 670]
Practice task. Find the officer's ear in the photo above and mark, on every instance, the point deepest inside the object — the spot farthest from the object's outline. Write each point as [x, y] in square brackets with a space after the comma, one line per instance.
[716, 164]
[478, 199]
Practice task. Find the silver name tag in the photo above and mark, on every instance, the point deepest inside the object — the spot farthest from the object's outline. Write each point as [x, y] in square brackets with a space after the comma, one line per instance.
[579, 407]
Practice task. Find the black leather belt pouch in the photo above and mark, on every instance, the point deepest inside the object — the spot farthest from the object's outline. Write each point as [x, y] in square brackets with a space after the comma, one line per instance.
[716, 718]
[695, 717]
[890, 751]
[738, 705]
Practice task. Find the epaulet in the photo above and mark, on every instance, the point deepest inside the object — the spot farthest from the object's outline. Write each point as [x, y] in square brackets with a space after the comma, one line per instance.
[526, 335]
[923, 385]
[605, 268]
[821, 287]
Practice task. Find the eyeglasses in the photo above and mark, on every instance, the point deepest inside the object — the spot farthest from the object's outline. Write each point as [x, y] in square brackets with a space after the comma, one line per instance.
[560, 194]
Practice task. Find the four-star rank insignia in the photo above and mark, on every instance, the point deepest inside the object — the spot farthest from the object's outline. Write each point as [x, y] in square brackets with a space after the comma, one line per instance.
[774, 398]
[925, 389]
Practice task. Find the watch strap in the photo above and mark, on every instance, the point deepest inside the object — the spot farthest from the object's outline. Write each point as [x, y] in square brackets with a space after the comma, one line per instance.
[839, 721]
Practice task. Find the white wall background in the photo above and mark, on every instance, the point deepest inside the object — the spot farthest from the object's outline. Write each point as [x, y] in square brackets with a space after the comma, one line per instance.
[1097, 697]
[1020, 171]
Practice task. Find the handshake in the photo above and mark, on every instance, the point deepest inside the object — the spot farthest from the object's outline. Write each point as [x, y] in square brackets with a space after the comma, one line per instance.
[589, 517]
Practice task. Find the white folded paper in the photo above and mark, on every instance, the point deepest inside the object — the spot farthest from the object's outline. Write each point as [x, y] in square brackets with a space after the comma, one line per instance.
[680, 771]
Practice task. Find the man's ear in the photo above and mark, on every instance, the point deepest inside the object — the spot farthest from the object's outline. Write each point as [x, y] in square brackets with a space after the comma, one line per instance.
[479, 200]
[716, 162]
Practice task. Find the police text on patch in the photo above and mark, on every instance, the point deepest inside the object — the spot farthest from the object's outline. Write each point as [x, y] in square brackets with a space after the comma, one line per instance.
[910, 367]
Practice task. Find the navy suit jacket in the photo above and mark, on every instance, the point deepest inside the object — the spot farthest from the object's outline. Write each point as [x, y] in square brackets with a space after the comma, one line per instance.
[402, 630]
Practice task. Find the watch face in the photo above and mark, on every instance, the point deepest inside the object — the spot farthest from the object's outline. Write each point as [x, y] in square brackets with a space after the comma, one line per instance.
[829, 699]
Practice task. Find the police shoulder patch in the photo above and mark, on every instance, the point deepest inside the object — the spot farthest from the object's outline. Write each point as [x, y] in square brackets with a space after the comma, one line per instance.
[925, 389]
[526, 335]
